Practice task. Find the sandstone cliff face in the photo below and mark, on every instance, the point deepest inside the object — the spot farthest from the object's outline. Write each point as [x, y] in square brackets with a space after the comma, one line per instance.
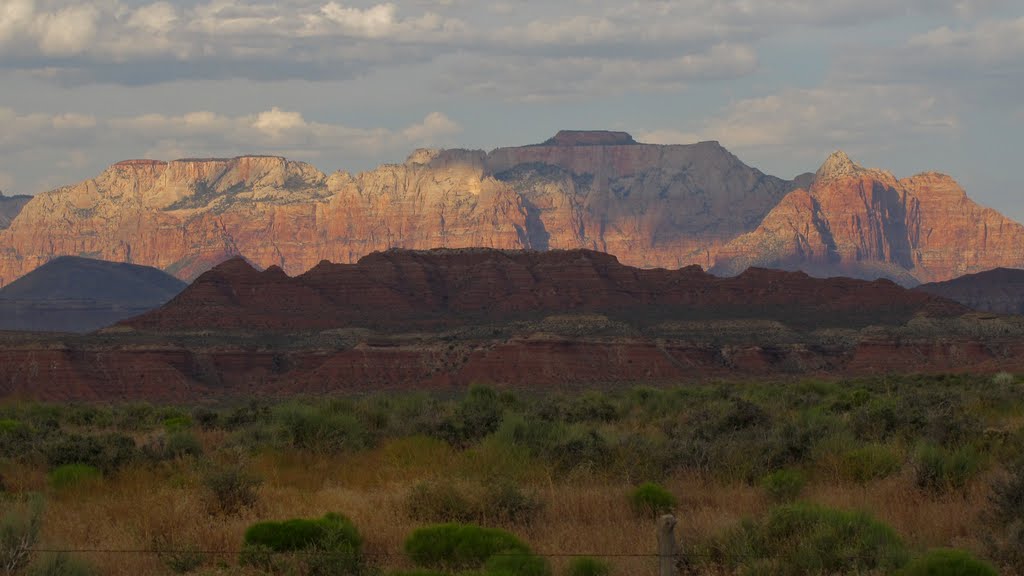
[666, 206]
[650, 205]
[867, 223]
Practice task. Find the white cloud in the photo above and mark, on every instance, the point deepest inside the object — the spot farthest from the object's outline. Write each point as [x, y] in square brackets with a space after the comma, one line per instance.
[804, 123]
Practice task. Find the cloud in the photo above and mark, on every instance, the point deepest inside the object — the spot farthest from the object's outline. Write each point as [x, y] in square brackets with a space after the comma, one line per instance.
[122, 41]
[798, 127]
[539, 79]
[56, 145]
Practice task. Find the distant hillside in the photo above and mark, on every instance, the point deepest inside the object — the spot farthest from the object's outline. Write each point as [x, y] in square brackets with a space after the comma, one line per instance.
[72, 294]
[10, 207]
[1000, 290]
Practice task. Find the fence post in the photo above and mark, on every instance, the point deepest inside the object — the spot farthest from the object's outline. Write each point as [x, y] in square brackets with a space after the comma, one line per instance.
[667, 545]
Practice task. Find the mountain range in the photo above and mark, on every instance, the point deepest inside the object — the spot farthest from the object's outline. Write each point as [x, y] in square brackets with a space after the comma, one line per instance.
[650, 205]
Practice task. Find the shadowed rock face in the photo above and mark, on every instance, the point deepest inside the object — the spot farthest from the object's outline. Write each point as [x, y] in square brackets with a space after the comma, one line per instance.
[70, 294]
[650, 205]
[404, 290]
[1000, 290]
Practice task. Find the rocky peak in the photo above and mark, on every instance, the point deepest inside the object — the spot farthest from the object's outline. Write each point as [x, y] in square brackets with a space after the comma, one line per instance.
[423, 156]
[838, 164]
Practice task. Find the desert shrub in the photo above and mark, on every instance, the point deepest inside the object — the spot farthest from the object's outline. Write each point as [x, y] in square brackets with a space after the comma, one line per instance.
[478, 414]
[506, 502]
[869, 462]
[591, 407]
[417, 572]
[231, 488]
[73, 475]
[108, 452]
[806, 539]
[181, 443]
[1005, 516]
[1004, 379]
[948, 562]
[460, 546]
[876, 420]
[784, 485]
[60, 564]
[579, 448]
[20, 523]
[587, 566]
[938, 469]
[330, 429]
[439, 502]
[330, 545]
[650, 499]
[516, 564]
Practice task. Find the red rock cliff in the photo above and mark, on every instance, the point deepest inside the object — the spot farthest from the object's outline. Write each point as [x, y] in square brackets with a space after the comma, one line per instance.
[867, 223]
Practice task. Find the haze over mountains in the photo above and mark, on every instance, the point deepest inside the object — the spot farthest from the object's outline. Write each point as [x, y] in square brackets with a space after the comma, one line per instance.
[649, 205]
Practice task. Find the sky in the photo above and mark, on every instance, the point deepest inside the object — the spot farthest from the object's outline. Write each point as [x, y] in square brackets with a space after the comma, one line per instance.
[907, 86]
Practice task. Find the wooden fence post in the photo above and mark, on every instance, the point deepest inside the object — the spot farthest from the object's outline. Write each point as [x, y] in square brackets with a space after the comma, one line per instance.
[667, 545]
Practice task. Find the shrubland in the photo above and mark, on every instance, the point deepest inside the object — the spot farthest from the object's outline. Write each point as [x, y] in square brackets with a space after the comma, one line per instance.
[897, 474]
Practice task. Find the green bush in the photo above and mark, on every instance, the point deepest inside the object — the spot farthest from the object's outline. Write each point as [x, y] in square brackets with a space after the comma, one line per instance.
[73, 475]
[784, 485]
[231, 488]
[938, 469]
[948, 563]
[330, 545]
[587, 566]
[460, 546]
[806, 539]
[60, 564]
[439, 502]
[19, 532]
[869, 463]
[650, 499]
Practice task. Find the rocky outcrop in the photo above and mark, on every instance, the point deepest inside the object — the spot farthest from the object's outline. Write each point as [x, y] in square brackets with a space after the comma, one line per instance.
[867, 223]
[1000, 290]
[10, 207]
[666, 206]
[409, 290]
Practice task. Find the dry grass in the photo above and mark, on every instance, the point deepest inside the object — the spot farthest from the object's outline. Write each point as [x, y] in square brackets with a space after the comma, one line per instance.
[583, 513]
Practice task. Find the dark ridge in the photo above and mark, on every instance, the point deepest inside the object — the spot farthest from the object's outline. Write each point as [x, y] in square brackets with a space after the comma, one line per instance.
[434, 289]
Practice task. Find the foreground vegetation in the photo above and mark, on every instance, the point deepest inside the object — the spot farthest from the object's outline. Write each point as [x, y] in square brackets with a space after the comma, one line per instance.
[913, 475]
